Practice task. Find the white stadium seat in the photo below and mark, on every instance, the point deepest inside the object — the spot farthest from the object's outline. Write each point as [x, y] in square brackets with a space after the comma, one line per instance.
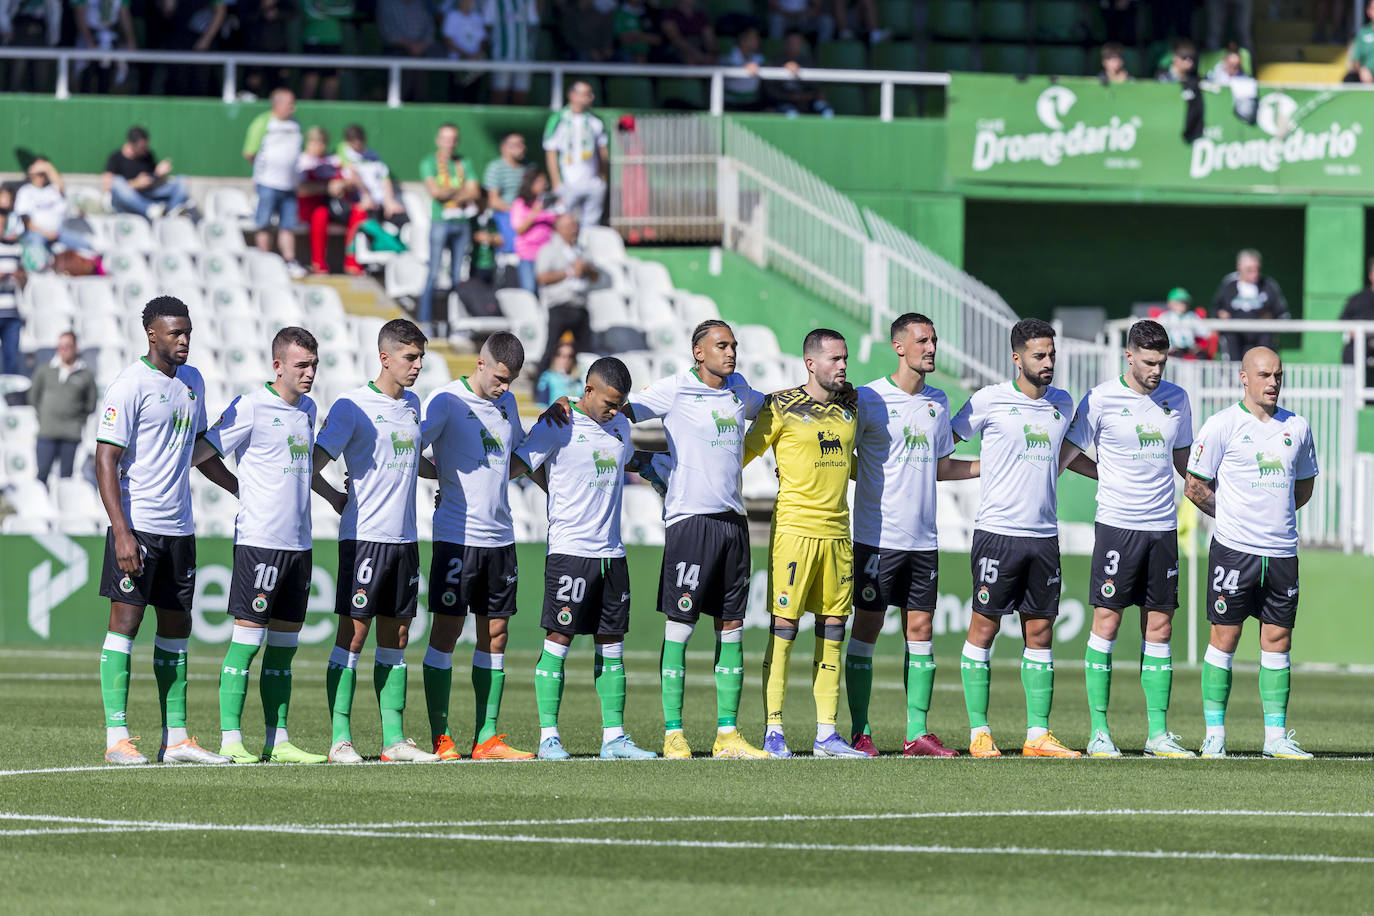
[126, 232]
[757, 341]
[603, 245]
[266, 268]
[221, 268]
[172, 267]
[126, 265]
[177, 233]
[606, 309]
[221, 235]
[405, 276]
[651, 277]
[641, 515]
[230, 204]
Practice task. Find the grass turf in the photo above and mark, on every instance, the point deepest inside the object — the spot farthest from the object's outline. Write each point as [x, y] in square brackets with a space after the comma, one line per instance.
[658, 836]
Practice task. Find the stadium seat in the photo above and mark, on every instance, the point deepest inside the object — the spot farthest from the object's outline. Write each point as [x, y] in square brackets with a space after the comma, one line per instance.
[232, 299]
[46, 292]
[25, 524]
[98, 325]
[1005, 20]
[86, 198]
[320, 301]
[266, 268]
[651, 277]
[190, 292]
[898, 17]
[172, 266]
[757, 340]
[177, 233]
[528, 320]
[94, 294]
[230, 203]
[1060, 20]
[1061, 60]
[280, 308]
[951, 18]
[680, 94]
[896, 55]
[695, 308]
[220, 268]
[76, 498]
[641, 515]
[124, 266]
[629, 92]
[405, 276]
[846, 99]
[1014, 59]
[667, 337]
[603, 245]
[843, 55]
[221, 235]
[760, 481]
[666, 364]
[950, 58]
[125, 232]
[641, 367]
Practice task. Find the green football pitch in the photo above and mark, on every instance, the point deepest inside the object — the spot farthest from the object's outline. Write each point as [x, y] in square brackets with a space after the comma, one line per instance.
[827, 835]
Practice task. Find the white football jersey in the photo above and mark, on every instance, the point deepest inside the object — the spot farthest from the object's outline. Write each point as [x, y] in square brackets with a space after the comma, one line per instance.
[155, 419]
[1135, 436]
[1019, 457]
[271, 442]
[379, 439]
[472, 439]
[705, 428]
[1255, 464]
[586, 471]
[900, 439]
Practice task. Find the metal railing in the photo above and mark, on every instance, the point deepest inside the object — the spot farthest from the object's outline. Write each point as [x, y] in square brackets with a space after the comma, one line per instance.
[558, 71]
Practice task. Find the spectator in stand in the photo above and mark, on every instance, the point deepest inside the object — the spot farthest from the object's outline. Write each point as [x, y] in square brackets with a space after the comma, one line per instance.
[1360, 307]
[376, 192]
[532, 218]
[263, 30]
[564, 276]
[1113, 64]
[407, 30]
[1361, 55]
[31, 24]
[575, 144]
[805, 16]
[273, 145]
[11, 281]
[859, 17]
[105, 25]
[41, 207]
[501, 181]
[184, 25]
[635, 35]
[322, 183]
[464, 30]
[322, 33]
[1247, 293]
[742, 92]
[452, 185]
[138, 183]
[792, 97]
[560, 379]
[63, 395]
[512, 25]
[1186, 330]
[588, 33]
[1237, 14]
[486, 241]
[689, 35]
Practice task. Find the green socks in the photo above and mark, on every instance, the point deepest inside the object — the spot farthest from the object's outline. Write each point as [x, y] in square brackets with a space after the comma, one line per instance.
[115, 666]
[1097, 673]
[169, 667]
[609, 673]
[918, 677]
[389, 680]
[976, 674]
[437, 669]
[729, 676]
[1275, 679]
[488, 683]
[548, 683]
[858, 683]
[1216, 687]
[1157, 681]
[1037, 678]
[274, 685]
[672, 670]
[340, 680]
[233, 679]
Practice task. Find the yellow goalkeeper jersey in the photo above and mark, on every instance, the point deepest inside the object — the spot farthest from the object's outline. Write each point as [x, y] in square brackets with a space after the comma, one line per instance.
[814, 447]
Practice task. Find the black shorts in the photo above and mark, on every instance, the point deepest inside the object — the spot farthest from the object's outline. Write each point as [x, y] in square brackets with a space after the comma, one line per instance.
[377, 580]
[1015, 575]
[705, 568]
[270, 584]
[168, 580]
[584, 596]
[1134, 568]
[477, 579]
[907, 579]
[1241, 585]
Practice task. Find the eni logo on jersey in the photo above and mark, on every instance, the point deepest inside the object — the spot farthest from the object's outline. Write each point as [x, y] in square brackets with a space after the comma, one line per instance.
[727, 428]
[181, 427]
[298, 451]
[1149, 437]
[604, 462]
[1036, 435]
[1269, 466]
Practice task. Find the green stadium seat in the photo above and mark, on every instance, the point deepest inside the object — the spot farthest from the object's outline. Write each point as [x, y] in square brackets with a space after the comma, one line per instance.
[629, 92]
[843, 55]
[1060, 20]
[953, 58]
[1005, 20]
[545, 45]
[898, 17]
[846, 99]
[773, 49]
[683, 93]
[1014, 59]
[896, 55]
[951, 18]
[1061, 60]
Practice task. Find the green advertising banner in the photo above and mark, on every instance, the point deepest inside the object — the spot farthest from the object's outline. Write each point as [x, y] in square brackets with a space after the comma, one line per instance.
[1077, 131]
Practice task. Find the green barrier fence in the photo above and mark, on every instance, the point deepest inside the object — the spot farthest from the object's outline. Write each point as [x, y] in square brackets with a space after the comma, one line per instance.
[49, 583]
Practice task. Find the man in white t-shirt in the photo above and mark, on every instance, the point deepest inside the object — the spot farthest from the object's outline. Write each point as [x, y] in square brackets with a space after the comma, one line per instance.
[575, 142]
[473, 426]
[273, 144]
[1015, 549]
[41, 208]
[586, 578]
[151, 415]
[376, 430]
[1253, 466]
[902, 445]
[1140, 427]
[270, 432]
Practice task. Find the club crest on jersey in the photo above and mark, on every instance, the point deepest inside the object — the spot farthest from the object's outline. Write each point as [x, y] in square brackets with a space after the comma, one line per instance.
[449, 598]
[684, 603]
[126, 585]
[1108, 588]
[564, 617]
[1287, 439]
[1036, 435]
[360, 598]
[983, 595]
[870, 593]
[783, 600]
[1164, 406]
[931, 410]
[1057, 414]
[1220, 606]
[260, 603]
[189, 393]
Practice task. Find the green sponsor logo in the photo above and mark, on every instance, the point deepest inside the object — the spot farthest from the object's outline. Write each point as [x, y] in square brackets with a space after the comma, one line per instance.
[605, 462]
[402, 444]
[915, 437]
[1148, 434]
[725, 423]
[299, 450]
[1269, 465]
[1036, 435]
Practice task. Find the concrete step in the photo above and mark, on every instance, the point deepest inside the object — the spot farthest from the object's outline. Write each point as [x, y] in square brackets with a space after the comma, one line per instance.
[1302, 73]
[1281, 31]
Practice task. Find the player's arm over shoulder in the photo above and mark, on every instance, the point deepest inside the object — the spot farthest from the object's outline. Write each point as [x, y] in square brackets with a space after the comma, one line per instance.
[764, 432]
